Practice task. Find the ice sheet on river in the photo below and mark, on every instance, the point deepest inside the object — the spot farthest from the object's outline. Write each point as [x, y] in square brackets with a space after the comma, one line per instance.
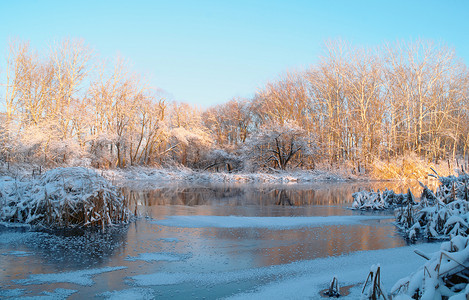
[304, 279]
[56, 294]
[262, 222]
[18, 253]
[133, 293]
[82, 277]
[159, 256]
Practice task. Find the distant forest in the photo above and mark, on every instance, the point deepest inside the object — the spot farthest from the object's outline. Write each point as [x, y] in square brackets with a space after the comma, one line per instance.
[353, 108]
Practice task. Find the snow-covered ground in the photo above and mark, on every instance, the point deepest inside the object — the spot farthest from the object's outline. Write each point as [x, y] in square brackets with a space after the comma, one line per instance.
[152, 177]
[147, 174]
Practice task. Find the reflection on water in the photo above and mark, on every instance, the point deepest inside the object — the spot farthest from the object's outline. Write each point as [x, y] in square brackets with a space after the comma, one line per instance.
[234, 199]
[203, 250]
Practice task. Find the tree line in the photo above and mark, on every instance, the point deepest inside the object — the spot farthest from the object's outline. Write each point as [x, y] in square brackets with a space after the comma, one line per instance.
[354, 107]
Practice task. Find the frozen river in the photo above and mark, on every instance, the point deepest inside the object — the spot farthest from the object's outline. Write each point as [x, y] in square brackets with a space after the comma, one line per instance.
[205, 241]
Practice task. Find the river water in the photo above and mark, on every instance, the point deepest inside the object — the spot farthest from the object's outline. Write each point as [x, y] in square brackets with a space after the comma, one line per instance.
[196, 241]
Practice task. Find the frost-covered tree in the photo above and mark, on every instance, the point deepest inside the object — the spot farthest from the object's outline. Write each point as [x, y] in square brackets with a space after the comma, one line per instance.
[219, 159]
[360, 105]
[283, 100]
[128, 119]
[42, 100]
[278, 145]
[229, 123]
[425, 86]
[189, 141]
[189, 146]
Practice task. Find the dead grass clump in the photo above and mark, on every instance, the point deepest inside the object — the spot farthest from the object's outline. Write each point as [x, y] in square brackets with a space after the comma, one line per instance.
[63, 197]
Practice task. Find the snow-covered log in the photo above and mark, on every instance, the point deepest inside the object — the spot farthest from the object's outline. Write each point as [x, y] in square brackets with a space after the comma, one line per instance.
[62, 197]
[445, 275]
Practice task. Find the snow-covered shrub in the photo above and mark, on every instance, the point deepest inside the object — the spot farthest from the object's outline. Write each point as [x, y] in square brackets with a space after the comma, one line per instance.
[444, 275]
[440, 214]
[452, 188]
[437, 221]
[366, 200]
[334, 289]
[62, 197]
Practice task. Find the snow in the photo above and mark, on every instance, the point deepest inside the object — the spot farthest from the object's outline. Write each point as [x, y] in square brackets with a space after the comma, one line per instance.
[134, 294]
[262, 222]
[82, 277]
[431, 280]
[158, 256]
[461, 296]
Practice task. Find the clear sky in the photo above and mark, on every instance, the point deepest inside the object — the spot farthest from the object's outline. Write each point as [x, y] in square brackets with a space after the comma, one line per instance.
[206, 52]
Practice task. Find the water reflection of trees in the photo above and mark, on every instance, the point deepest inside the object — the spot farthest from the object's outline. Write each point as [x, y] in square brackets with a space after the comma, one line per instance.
[282, 198]
[275, 247]
[259, 195]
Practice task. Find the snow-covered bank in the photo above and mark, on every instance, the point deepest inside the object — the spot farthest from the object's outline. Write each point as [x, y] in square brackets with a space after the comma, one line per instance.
[153, 177]
[62, 197]
[141, 176]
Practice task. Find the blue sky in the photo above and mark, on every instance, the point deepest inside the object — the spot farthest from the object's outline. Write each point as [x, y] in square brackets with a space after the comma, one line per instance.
[206, 52]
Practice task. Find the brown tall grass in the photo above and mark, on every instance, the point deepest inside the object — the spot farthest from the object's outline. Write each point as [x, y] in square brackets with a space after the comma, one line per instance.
[407, 167]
